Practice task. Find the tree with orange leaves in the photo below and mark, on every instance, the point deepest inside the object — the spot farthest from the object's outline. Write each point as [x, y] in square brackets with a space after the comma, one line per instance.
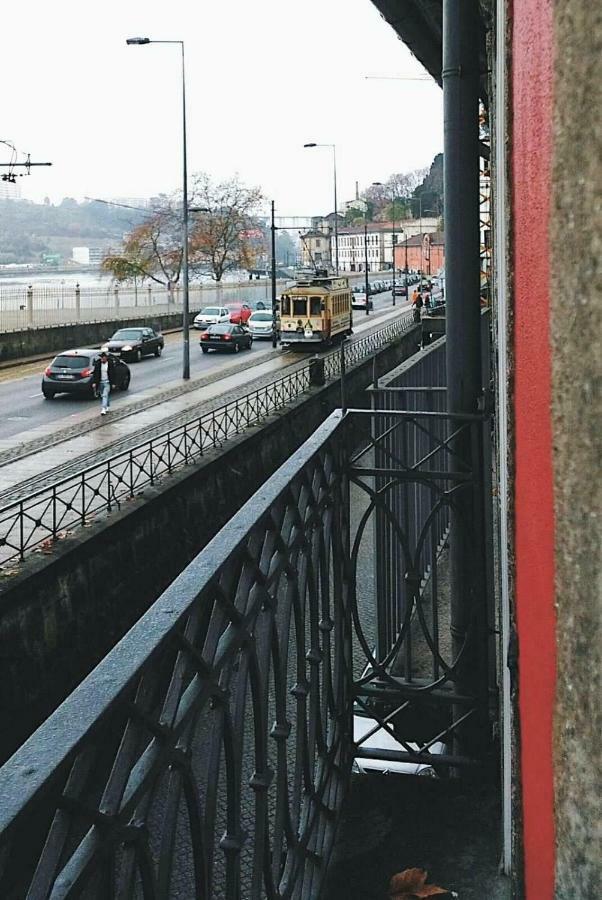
[220, 239]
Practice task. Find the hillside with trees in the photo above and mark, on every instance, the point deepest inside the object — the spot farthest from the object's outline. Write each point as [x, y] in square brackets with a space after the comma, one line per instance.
[28, 230]
[402, 195]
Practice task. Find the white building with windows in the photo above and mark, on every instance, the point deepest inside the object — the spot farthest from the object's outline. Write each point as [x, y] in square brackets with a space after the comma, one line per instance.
[378, 239]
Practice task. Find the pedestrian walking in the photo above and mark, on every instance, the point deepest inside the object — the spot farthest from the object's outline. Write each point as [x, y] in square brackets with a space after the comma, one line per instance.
[103, 378]
[427, 300]
[417, 304]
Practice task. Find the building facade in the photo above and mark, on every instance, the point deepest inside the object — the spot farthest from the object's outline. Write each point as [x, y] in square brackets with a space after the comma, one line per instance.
[379, 239]
[421, 253]
[316, 248]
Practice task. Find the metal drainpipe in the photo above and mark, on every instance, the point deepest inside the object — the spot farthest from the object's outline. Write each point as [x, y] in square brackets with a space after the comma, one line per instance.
[460, 77]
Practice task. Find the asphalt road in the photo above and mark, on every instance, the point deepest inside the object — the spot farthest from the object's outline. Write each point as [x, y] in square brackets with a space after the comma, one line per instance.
[22, 406]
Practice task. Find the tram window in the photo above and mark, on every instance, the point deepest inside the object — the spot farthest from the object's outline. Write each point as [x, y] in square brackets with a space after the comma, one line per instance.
[285, 305]
[315, 306]
[299, 306]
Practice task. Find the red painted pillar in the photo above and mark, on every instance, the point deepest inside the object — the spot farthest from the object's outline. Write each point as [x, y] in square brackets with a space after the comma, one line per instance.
[532, 61]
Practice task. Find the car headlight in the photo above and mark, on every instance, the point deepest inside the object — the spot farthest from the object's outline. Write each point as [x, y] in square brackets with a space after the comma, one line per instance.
[126, 347]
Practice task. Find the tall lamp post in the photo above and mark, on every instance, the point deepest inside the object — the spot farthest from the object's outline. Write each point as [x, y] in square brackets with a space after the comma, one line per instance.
[366, 266]
[186, 301]
[336, 214]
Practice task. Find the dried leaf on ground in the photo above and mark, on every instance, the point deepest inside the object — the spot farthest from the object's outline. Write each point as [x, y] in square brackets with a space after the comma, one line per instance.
[411, 885]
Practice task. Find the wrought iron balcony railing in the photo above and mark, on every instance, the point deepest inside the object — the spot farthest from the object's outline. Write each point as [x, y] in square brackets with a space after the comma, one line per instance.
[209, 753]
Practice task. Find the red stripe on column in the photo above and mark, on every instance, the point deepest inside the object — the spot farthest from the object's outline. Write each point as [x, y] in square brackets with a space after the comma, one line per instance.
[532, 109]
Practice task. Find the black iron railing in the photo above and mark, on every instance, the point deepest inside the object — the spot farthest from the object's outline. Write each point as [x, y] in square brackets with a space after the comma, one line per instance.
[42, 517]
[209, 753]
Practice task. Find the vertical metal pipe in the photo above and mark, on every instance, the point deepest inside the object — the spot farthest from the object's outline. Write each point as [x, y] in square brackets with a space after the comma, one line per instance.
[186, 303]
[461, 192]
[366, 266]
[336, 213]
[274, 301]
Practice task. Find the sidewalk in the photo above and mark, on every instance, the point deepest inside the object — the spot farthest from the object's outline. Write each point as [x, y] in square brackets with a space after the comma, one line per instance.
[50, 454]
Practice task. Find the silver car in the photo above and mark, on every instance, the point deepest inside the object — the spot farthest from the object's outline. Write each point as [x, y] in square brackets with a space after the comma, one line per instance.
[260, 324]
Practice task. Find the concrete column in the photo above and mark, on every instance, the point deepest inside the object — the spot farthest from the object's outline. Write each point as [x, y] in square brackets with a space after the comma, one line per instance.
[29, 305]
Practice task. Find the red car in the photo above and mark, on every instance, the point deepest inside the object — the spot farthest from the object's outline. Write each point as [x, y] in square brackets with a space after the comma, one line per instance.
[240, 313]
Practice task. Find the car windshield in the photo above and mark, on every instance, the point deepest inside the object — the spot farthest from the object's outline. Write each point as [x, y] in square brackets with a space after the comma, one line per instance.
[261, 317]
[220, 329]
[127, 334]
[71, 362]
[211, 311]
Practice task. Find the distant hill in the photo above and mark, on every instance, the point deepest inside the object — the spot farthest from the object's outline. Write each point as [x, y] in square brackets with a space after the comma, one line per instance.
[431, 189]
[28, 230]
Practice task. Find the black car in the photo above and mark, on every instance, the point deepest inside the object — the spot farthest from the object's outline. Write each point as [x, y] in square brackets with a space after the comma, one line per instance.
[226, 336]
[71, 373]
[134, 343]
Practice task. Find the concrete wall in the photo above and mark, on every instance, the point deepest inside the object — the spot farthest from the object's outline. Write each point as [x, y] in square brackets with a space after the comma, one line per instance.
[53, 339]
[576, 334]
[62, 613]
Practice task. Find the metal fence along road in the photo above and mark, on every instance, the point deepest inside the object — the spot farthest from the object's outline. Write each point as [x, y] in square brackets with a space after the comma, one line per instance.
[44, 516]
[39, 306]
[44, 305]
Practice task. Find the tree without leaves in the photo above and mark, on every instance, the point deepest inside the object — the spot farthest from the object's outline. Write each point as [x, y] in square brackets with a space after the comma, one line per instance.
[153, 250]
[227, 237]
[224, 238]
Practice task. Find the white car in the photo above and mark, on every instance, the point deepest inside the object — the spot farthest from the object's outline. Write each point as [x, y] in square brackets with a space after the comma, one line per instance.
[383, 740]
[211, 315]
[260, 323]
[358, 300]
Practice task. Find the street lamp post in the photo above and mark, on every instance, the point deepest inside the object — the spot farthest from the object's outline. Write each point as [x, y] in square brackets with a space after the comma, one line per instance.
[186, 300]
[366, 266]
[336, 214]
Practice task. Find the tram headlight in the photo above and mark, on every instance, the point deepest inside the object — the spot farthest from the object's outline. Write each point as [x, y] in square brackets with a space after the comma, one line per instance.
[308, 332]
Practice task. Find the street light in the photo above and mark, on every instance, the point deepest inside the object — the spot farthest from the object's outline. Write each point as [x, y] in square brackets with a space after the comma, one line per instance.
[186, 302]
[366, 263]
[393, 235]
[336, 214]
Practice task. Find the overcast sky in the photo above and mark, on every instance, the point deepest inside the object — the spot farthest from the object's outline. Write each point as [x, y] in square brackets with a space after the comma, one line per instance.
[263, 78]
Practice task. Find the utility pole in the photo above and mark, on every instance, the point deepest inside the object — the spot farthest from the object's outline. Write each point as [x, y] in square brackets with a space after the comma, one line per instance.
[274, 300]
[366, 266]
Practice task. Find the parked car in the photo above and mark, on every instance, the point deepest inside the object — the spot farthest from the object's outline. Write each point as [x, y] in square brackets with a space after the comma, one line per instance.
[134, 343]
[400, 290]
[260, 324]
[258, 305]
[226, 336]
[358, 300]
[240, 313]
[382, 739]
[71, 373]
[211, 315]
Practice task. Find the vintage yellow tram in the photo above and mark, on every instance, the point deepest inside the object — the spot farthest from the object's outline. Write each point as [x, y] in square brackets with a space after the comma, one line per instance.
[315, 311]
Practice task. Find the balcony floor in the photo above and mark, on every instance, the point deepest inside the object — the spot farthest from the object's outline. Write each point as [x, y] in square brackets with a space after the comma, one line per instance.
[391, 823]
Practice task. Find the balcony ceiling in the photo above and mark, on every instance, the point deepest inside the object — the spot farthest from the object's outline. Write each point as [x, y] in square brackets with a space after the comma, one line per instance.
[419, 24]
